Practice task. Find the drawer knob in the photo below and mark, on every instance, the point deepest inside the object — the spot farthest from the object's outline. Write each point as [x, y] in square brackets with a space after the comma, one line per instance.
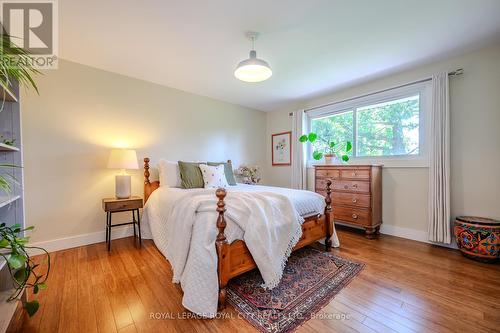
[346, 187]
[354, 216]
[354, 200]
[355, 185]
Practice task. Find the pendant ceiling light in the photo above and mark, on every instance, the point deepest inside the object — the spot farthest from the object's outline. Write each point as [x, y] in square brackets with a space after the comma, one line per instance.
[253, 69]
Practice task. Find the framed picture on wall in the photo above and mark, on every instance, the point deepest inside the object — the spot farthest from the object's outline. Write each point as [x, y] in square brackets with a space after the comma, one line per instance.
[281, 147]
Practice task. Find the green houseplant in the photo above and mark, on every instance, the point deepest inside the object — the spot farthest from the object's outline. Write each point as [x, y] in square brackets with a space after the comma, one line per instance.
[16, 67]
[332, 148]
[24, 272]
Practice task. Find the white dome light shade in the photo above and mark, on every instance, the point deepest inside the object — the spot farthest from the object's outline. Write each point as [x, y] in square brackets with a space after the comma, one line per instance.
[253, 69]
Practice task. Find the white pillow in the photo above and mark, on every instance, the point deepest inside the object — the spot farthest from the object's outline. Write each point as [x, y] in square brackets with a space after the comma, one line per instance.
[213, 176]
[169, 173]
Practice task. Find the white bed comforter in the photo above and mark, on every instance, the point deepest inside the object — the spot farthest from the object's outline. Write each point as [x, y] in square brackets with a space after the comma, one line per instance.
[182, 224]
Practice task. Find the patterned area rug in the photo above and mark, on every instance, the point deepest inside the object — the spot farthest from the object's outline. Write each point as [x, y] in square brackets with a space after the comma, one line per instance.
[310, 280]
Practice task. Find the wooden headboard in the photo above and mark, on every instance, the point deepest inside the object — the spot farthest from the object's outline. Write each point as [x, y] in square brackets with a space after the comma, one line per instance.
[149, 186]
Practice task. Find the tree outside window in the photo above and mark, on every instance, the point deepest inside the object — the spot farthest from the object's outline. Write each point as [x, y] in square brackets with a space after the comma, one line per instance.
[383, 129]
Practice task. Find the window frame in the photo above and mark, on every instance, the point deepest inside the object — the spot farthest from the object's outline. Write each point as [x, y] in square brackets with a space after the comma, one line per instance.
[423, 89]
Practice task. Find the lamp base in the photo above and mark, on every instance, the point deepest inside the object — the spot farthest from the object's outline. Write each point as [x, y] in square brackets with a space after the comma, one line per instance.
[122, 186]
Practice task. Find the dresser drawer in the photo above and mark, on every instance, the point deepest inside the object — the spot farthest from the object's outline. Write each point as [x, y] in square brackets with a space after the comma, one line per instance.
[321, 185]
[328, 173]
[351, 185]
[362, 174]
[353, 215]
[351, 199]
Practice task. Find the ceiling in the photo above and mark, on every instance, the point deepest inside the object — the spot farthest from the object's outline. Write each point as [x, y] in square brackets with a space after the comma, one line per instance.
[313, 46]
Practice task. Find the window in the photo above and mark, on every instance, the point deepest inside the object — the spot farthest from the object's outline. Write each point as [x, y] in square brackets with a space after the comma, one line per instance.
[387, 127]
[338, 127]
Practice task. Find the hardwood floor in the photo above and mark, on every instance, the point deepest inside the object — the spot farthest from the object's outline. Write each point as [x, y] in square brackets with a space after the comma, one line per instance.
[406, 286]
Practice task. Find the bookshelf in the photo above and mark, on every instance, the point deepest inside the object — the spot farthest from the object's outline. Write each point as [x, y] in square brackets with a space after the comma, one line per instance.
[11, 204]
[5, 147]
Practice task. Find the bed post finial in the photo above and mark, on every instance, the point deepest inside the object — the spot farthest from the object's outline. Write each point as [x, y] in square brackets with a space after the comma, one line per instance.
[146, 170]
[222, 248]
[221, 209]
[328, 219]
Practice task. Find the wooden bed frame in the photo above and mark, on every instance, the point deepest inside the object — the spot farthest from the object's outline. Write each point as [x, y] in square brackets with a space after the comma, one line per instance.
[235, 259]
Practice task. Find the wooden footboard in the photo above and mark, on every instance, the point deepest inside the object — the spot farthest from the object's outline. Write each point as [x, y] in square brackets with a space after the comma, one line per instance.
[235, 259]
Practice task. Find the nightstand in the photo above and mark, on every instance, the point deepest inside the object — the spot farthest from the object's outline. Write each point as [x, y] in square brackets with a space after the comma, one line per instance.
[113, 205]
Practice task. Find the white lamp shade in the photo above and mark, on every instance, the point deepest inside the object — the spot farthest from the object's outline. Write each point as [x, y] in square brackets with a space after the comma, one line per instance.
[253, 69]
[123, 159]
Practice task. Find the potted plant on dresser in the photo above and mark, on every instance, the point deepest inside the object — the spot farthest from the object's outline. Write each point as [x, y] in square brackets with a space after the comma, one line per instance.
[18, 270]
[331, 149]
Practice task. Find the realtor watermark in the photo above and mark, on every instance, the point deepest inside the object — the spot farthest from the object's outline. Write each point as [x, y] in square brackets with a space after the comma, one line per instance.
[232, 315]
[33, 27]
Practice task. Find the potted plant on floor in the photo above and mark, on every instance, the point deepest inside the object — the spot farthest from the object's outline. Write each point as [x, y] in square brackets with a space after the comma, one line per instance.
[332, 149]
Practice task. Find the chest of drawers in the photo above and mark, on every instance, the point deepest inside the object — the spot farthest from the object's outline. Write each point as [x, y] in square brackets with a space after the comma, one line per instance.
[356, 194]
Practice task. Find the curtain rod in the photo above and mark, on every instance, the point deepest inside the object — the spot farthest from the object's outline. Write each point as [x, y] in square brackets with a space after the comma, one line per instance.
[456, 72]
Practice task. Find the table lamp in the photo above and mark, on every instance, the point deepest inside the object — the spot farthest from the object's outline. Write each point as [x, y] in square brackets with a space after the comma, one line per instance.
[122, 159]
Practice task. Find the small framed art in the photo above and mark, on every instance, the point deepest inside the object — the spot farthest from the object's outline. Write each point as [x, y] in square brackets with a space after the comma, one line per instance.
[281, 147]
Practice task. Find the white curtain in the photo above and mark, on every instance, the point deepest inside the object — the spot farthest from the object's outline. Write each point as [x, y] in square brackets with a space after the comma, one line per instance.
[439, 168]
[299, 171]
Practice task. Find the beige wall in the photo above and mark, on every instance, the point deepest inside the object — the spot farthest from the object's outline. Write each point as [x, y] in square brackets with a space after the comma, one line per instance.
[277, 122]
[475, 143]
[82, 112]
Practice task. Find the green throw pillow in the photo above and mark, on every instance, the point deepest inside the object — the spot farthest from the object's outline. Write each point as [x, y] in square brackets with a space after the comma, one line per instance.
[191, 176]
[228, 171]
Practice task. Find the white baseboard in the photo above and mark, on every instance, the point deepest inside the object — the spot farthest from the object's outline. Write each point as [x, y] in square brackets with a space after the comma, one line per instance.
[407, 233]
[98, 237]
[416, 235]
[85, 239]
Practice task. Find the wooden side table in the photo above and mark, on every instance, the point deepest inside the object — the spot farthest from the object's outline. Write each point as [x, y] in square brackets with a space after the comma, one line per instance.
[113, 205]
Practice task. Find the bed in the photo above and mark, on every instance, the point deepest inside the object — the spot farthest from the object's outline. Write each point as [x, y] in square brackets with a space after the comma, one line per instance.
[231, 256]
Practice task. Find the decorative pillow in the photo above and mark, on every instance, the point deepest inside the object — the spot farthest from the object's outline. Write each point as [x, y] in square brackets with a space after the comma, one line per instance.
[191, 176]
[170, 175]
[213, 176]
[228, 171]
